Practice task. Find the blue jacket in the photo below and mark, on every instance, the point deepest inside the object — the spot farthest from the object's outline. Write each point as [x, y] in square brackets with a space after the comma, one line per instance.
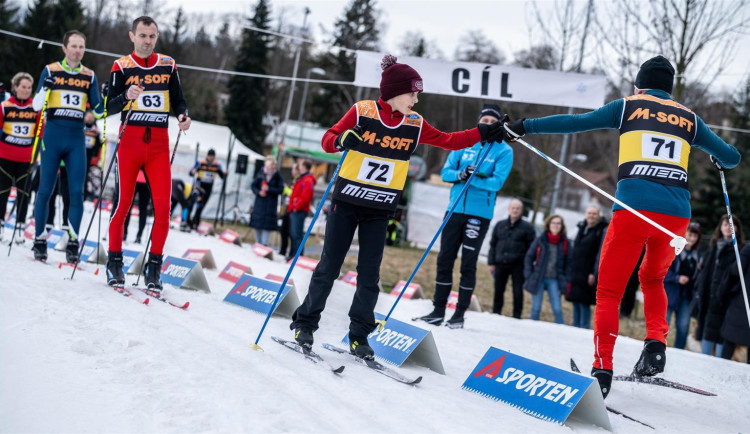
[640, 194]
[479, 200]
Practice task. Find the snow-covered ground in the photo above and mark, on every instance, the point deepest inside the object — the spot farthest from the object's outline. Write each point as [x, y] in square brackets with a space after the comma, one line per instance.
[76, 356]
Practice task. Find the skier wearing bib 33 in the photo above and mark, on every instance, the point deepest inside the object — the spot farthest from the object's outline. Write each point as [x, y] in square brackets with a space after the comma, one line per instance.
[656, 135]
[149, 82]
[380, 137]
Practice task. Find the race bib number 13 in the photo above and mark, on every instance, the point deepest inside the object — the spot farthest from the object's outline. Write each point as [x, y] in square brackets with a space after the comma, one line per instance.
[658, 147]
[375, 171]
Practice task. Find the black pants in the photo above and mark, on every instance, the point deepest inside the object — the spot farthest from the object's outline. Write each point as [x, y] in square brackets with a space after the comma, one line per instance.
[62, 189]
[284, 232]
[513, 270]
[144, 197]
[207, 187]
[343, 221]
[14, 172]
[467, 233]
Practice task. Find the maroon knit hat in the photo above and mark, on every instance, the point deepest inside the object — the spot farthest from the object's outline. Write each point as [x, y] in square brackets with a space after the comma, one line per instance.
[398, 78]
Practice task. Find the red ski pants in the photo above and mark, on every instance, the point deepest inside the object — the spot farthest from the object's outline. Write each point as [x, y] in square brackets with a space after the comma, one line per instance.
[622, 246]
[133, 154]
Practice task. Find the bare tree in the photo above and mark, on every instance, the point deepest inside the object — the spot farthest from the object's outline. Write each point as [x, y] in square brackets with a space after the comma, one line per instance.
[699, 37]
[475, 46]
[415, 44]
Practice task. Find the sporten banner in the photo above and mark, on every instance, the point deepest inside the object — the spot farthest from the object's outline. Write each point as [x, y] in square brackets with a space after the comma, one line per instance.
[498, 82]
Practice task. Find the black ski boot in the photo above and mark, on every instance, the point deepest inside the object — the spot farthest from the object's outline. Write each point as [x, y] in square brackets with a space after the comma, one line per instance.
[304, 337]
[40, 249]
[361, 348]
[153, 272]
[457, 320]
[653, 359]
[435, 317]
[604, 377]
[71, 251]
[115, 276]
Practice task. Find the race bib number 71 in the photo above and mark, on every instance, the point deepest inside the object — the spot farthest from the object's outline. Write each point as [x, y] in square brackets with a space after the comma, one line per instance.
[658, 147]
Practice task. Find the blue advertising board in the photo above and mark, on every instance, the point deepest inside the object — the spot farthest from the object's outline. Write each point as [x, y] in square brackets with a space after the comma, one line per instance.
[540, 390]
[90, 248]
[396, 341]
[54, 237]
[129, 259]
[256, 294]
[175, 271]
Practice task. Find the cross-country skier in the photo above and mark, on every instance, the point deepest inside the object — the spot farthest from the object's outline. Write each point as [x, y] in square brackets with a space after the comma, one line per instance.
[656, 135]
[71, 87]
[148, 82]
[18, 126]
[206, 169]
[469, 223]
[381, 137]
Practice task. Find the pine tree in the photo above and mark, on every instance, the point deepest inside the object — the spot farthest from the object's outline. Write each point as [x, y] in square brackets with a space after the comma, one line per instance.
[8, 19]
[68, 15]
[244, 112]
[175, 37]
[39, 21]
[358, 29]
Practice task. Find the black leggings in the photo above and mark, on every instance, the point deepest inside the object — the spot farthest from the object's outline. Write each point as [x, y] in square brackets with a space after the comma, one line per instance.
[14, 173]
[144, 196]
[61, 189]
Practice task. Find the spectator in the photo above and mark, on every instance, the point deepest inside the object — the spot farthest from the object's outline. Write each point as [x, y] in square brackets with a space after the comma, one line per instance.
[510, 240]
[585, 266]
[467, 226]
[547, 267]
[715, 265]
[679, 284]
[735, 330]
[267, 186]
[299, 205]
[284, 225]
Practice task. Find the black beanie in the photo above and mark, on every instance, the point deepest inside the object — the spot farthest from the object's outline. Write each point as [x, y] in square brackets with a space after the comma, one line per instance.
[655, 73]
[211, 152]
[490, 110]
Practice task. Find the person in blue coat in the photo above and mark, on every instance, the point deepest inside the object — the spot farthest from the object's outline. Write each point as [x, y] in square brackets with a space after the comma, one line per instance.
[468, 225]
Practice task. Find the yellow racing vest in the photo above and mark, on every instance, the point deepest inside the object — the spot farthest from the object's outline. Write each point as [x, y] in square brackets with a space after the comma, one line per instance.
[655, 140]
[374, 174]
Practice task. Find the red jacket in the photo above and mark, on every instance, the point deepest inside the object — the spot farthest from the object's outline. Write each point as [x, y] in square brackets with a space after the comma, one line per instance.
[302, 193]
[430, 135]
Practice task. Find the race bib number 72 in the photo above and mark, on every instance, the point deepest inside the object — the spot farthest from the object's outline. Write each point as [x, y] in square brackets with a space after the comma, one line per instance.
[376, 171]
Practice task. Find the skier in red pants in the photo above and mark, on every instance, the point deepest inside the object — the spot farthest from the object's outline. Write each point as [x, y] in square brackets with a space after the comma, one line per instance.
[147, 84]
[656, 136]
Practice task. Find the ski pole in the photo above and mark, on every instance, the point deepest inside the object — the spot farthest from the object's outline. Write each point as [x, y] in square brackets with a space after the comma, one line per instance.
[463, 191]
[29, 172]
[677, 242]
[99, 199]
[734, 243]
[104, 183]
[151, 232]
[301, 246]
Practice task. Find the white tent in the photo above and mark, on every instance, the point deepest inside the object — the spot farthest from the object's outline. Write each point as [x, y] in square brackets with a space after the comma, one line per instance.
[207, 136]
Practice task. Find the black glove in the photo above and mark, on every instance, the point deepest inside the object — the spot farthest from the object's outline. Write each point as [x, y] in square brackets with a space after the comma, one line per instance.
[349, 139]
[716, 163]
[516, 128]
[466, 173]
[491, 133]
[49, 82]
[105, 88]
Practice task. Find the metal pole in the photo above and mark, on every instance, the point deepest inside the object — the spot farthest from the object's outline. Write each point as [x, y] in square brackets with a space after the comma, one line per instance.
[558, 175]
[293, 82]
[304, 96]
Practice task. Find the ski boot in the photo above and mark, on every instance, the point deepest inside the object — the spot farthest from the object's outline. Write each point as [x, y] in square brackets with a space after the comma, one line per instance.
[71, 251]
[456, 321]
[361, 348]
[19, 238]
[304, 337]
[604, 377]
[153, 272]
[115, 275]
[40, 249]
[435, 317]
[138, 239]
[653, 359]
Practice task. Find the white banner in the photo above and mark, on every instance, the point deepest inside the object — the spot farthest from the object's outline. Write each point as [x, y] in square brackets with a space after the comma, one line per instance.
[497, 82]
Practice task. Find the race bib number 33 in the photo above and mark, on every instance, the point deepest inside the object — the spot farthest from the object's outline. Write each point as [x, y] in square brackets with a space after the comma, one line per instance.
[663, 148]
[375, 171]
